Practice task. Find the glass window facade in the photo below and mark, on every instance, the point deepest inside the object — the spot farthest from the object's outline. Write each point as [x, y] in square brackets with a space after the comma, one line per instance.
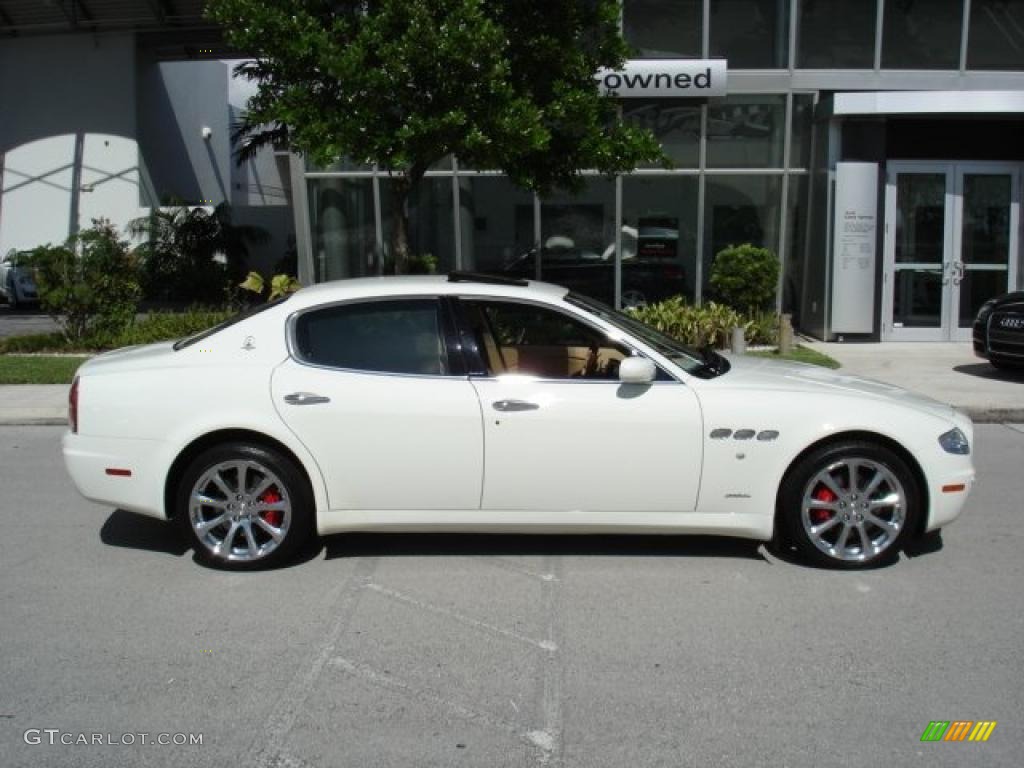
[342, 228]
[663, 29]
[836, 34]
[495, 223]
[751, 34]
[746, 131]
[803, 121]
[995, 38]
[431, 224]
[922, 35]
[737, 210]
[741, 164]
[675, 123]
[578, 240]
[659, 238]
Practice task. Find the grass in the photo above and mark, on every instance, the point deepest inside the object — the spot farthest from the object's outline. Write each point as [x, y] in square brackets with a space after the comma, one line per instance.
[38, 369]
[48, 358]
[801, 354]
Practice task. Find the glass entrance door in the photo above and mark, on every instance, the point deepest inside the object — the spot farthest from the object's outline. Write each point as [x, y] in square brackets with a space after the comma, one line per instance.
[987, 210]
[950, 243]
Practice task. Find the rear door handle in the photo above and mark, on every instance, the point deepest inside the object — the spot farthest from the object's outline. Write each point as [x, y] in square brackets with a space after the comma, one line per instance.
[305, 398]
[514, 405]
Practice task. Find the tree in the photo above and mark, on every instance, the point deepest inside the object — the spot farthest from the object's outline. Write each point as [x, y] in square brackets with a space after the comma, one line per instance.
[506, 85]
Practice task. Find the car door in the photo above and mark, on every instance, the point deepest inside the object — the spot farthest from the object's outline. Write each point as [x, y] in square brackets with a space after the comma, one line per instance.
[561, 432]
[372, 390]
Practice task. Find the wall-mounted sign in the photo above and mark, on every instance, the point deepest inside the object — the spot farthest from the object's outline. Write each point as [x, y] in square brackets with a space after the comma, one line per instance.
[854, 243]
[665, 79]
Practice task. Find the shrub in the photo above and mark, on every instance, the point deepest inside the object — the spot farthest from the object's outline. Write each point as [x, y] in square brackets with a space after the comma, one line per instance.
[745, 277]
[192, 254]
[90, 284]
[762, 328]
[698, 326]
[710, 324]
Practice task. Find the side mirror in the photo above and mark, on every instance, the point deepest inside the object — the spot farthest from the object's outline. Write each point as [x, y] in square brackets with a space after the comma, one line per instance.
[637, 370]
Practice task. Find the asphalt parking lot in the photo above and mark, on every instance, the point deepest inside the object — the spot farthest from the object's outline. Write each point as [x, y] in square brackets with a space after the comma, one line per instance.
[402, 650]
[20, 322]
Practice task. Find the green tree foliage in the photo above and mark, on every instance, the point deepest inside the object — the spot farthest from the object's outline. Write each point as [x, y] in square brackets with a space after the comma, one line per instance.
[90, 284]
[181, 249]
[506, 85]
[745, 277]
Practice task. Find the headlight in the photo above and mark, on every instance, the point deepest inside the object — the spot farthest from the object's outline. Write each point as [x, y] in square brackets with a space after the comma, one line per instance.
[954, 441]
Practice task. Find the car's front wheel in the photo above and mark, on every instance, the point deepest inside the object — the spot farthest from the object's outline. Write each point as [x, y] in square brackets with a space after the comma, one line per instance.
[849, 505]
[245, 506]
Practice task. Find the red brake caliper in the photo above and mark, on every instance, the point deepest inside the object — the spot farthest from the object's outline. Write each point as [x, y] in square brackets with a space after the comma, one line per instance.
[273, 516]
[824, 494]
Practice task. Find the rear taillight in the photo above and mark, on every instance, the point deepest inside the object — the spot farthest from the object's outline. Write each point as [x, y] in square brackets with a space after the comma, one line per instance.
[73, 406]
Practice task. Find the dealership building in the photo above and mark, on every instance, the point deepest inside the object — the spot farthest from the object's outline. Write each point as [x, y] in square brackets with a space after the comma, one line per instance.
[875, 146]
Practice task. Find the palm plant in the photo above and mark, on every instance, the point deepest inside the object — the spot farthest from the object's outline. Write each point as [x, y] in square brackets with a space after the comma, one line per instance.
[191, 254]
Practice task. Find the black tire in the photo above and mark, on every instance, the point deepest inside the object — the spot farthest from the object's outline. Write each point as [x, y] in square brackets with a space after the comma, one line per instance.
[276, 497]
[12, 295]
[853, 528]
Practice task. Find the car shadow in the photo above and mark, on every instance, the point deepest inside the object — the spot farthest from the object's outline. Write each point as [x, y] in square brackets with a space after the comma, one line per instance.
[483, 544]
[989, 371]
[133, 531]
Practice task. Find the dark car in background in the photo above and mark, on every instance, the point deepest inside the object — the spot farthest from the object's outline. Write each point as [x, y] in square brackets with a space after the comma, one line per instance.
[651, 270]
[999, 331]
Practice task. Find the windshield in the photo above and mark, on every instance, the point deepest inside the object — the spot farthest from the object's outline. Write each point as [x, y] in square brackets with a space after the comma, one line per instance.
[689, 359]
[190, 340]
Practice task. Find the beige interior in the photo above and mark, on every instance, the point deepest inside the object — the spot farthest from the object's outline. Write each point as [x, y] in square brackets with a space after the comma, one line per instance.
[548, 362]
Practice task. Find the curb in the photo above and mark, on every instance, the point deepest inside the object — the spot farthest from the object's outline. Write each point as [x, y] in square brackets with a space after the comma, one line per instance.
[34, 421]
[994, 415]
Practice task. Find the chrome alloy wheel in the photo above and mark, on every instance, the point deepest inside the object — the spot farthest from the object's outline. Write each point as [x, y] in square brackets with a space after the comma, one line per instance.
[240, 510]
[854, 509]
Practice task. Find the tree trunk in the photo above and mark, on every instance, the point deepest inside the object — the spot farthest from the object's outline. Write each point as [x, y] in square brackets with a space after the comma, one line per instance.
[402, 189]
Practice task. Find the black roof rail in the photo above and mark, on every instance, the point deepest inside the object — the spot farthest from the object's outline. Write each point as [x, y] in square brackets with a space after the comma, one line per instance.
[459, 276]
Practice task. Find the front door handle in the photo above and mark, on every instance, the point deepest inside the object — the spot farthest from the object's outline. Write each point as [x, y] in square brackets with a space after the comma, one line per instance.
[305, 398]
[514, 405]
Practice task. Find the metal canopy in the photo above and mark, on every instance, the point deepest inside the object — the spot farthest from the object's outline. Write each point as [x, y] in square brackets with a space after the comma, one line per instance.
[172, 28]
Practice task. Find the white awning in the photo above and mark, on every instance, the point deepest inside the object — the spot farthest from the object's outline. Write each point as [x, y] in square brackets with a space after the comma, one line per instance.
[926, 103]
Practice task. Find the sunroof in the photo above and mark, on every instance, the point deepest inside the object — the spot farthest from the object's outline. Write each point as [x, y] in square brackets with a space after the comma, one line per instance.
[477, 277]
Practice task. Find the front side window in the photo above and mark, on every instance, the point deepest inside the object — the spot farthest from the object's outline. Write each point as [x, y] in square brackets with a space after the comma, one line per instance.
[515, 338]
[402, 336]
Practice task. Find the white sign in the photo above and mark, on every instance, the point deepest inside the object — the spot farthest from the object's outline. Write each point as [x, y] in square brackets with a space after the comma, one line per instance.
[665, 79]
[855, 241]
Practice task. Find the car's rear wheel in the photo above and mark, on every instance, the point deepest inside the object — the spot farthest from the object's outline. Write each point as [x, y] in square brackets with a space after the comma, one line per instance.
[245, 506]
[849, 505]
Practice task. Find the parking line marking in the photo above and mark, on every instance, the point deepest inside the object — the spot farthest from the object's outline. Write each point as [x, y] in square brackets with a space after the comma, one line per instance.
[483, 626]
[390, 682]
[549, 740]
[513, 567]
[283, 716]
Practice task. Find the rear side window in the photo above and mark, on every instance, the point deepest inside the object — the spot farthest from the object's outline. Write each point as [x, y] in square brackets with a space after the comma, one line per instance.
[379, 337]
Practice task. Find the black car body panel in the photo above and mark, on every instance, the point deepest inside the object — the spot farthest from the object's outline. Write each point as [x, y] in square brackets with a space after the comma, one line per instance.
[999, 330]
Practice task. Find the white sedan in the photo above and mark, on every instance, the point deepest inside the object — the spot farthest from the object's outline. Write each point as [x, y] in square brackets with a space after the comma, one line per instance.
[472, 403]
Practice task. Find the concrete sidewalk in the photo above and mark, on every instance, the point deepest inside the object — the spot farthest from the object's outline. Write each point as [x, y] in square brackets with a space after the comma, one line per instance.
[947, 372]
